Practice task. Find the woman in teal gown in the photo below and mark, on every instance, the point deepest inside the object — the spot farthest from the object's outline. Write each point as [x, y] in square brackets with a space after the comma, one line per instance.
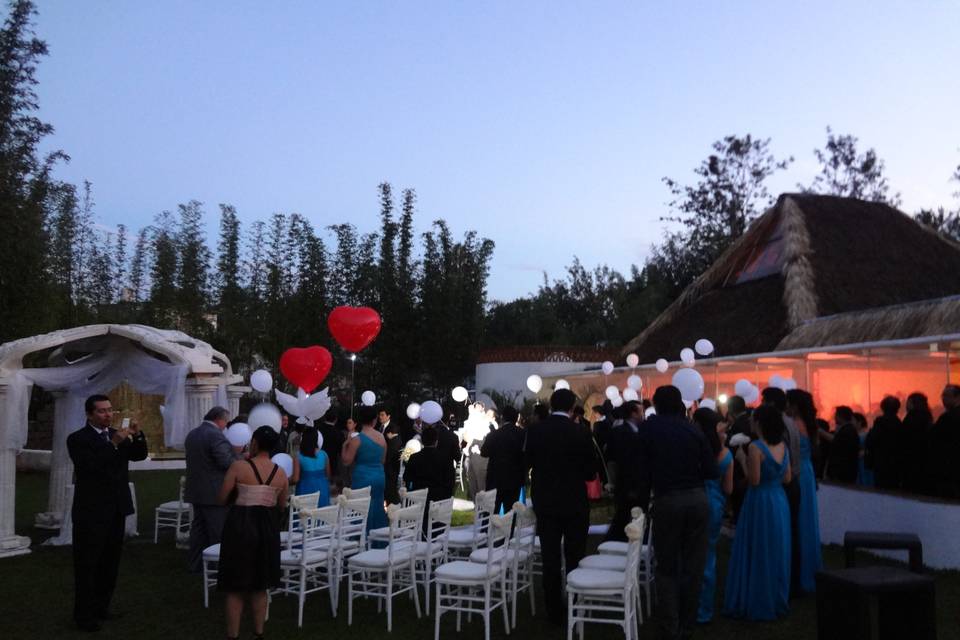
[311, 468]
[366, 452]
[800, 408]
[717, 491]
[758, 577]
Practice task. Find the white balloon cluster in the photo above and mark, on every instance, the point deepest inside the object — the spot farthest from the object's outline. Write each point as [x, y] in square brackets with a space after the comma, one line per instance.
[535, 383]
[630, 395]
[747, 390]
[690, 383]
[779, 382]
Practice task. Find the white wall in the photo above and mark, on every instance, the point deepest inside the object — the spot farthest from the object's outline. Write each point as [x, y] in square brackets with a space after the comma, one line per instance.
[510, 377]
[938, 524]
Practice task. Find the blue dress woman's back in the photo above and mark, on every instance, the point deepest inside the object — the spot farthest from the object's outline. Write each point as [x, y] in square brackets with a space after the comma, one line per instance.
[758, 577]
[808, 519]
[368, 472]
[718, 501]
[313, 477]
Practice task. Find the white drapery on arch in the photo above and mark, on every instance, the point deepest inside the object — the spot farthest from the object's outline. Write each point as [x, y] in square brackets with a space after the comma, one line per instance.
[100, 373]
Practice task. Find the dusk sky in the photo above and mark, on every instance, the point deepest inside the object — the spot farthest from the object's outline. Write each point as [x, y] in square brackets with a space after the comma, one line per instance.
[545, 126]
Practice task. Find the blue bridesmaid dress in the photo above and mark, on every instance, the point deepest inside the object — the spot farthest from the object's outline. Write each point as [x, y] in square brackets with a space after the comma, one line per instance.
[864, 475]
[718, 501]
[368, 472]
[808, 520]
[758, 578]
[313, 477]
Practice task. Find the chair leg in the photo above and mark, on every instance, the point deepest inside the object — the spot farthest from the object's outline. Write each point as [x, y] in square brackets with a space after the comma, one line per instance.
[486, 612]
[301, 596]
[349, 598]
[156, 526]
[504, 604]
[389, 598]
[413, 588]
[514, 596]
[530, 581]
[437, 612]
[570, 616]
[206, 588]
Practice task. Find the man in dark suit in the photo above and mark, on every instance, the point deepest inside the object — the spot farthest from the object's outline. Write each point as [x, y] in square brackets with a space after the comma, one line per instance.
[622, 444]
[332, 443]
[430, 469]
[506, 471]
[560, 453]
[209, 454]
[448, 443]
[845, 448]
[101, 502]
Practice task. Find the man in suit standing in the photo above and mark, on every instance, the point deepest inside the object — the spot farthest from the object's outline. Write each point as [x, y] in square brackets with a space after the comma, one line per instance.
[504, 449]
[448, 443]
[622, 451]
[560, 453]
[209, 454]
[430, 469]
[101, 502]
[332, 443]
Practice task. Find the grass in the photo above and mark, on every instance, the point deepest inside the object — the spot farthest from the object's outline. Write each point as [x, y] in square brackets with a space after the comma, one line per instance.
[160, 599]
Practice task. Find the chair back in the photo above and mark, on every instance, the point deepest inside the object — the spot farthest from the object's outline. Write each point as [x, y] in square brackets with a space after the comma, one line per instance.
[350, 494]
[183, 485]
[484, 504]
[524, 528]
[353, 520]
[404, 530]
[497, 538]
[410, 498]
[438, 523]
[297, 505]
[319, 528]
[634, 532]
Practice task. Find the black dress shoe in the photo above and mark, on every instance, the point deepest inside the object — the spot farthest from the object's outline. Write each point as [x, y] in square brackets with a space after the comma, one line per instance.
[89, 626]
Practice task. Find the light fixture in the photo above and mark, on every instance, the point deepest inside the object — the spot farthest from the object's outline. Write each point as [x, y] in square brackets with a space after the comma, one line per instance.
[353, 356]
[722, 398]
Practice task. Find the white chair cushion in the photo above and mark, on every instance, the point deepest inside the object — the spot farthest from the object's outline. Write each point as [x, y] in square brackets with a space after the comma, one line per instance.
[425, 549]
[595, 580]
[605, 562]
[464, 538]
[382, 533]
[480, 555]
[292, 557]
[464, 571]
[378, 558]
[613, 546]
[212, 552]
[173, 506]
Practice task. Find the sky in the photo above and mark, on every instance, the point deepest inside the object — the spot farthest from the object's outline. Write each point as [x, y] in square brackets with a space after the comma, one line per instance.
[545, 126]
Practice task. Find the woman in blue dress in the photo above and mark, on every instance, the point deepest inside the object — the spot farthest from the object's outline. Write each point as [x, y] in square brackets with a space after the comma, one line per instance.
[758, 577]
[864, 474]
[366, 452]
[717, 491]
[800, 408]
[311, 467]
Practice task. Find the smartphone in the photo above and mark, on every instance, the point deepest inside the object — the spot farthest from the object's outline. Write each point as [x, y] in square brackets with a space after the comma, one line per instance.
[125, 424]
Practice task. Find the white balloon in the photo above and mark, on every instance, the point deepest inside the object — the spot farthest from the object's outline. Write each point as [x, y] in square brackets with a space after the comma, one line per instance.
[261, 380]
[239, 434]
[285, 462]
[704, 347]
[607, 367]
[776, 381]
[687, 356]
[460, 394]
[431, 412]
[612, 392]
[413, 410]
[708, 403]
[265, 414]
[662, 365]
[634, 382]
[633, 360]
[789, 384]
[649, 412]
[688, 403]
[617, 402]
[535, 383]
[690, 384]
[753, 395]
[368, 398]
[742, 388]
[630, 395]
[561, 384]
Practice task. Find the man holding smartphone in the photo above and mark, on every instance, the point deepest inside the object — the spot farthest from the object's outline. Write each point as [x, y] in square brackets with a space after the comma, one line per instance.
[101, 502]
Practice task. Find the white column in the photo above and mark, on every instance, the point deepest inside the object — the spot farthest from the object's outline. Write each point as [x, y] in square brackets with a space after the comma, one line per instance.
[61, 466]
[233, 395]
[200, 399]
[10, 543]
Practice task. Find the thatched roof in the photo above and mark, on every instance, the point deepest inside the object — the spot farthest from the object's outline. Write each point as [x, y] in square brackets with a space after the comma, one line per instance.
[808, 257]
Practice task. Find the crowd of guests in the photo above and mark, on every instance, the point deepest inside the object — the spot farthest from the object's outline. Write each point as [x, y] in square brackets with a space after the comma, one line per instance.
[913, 453]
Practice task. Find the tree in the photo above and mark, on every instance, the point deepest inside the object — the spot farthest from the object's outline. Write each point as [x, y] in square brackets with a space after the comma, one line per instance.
[946, 223]
[192, 269]
[730, 193]
[162, 304]
[844, 171]
[120, 263]
[25, 182]
[138, 265]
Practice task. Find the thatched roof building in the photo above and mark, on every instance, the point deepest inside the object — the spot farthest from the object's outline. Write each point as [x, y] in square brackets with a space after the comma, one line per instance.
[815, 271]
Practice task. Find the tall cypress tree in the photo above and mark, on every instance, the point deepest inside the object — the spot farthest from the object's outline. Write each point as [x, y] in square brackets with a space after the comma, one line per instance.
[193, 266]
[162, 305]
[138, 265]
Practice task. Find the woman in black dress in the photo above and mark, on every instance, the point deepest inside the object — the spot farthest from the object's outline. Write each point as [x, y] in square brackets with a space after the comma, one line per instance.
[250, 545]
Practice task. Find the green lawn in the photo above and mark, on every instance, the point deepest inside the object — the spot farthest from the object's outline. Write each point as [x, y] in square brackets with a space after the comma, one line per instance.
[161, 600]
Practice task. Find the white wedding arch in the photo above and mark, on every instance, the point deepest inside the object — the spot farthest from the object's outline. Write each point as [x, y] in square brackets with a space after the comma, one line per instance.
[190, 374]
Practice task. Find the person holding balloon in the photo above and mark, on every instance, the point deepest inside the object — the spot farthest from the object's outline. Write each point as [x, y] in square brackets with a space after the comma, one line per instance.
[367, 452]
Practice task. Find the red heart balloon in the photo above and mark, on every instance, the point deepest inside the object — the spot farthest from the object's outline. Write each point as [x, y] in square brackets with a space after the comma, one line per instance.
[306, 367]
[354, 328]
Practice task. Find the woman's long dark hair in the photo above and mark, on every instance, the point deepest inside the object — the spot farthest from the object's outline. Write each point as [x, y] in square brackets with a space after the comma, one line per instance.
[771, 423]
[802, 402]
[309, 442]
[917, 404]
[707, 420]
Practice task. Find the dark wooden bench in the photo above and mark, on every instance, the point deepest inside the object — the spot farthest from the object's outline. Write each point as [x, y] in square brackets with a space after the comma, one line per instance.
[910, 542]
[875, 603]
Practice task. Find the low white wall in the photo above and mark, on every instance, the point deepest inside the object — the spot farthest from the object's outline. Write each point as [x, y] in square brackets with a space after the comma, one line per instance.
[511, 377]
[845, 509]
[39, 460]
